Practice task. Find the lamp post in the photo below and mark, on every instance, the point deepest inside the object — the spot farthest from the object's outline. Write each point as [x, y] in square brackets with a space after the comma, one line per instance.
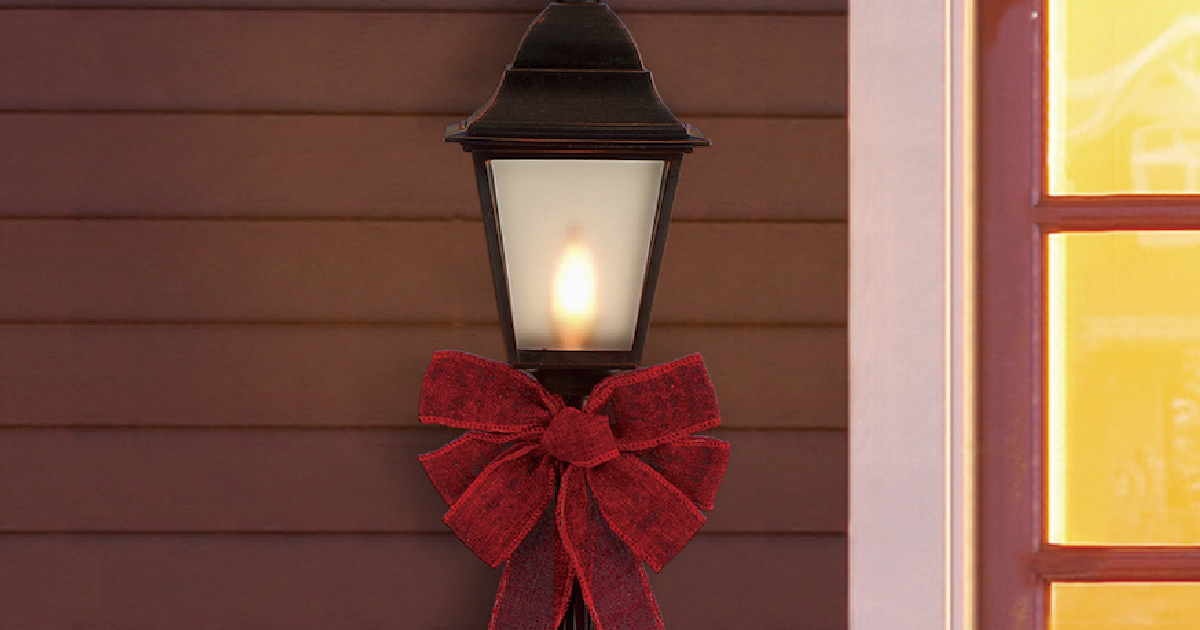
[576, 162]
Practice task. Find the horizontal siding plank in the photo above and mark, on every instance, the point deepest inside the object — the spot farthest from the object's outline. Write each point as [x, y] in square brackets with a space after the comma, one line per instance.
[316, 583]
[366, 166]
[621, 6]
[297, 583]
[753, 273]
[380, 61]
[367, 271]
[773, 378]
[359, 377]
[343, 481]
[742, 582]
[187, 270]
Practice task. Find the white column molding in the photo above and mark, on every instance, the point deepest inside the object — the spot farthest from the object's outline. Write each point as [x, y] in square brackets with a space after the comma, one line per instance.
[910, 314]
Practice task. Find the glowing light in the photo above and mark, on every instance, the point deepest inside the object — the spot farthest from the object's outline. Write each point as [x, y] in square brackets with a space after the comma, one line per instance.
[574, 309]
[1123, 396]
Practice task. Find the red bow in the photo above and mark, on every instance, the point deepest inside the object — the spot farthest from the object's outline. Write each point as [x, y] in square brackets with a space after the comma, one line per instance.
[630, 481]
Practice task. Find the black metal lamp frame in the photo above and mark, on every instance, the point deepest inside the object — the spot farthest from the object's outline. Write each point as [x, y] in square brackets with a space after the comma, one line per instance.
[577, 89]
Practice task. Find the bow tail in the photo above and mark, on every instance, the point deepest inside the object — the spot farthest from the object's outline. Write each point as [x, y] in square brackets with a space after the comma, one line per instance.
[654, 518]
[611, 577]
[535, 587]
[564, 577]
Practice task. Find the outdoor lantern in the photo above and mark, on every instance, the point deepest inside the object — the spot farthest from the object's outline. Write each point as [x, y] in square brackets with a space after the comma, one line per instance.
[574, 474]
[576, 161]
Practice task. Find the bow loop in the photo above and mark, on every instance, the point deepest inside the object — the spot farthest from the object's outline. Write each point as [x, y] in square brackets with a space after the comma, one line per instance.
[464, 391]
[455, 466]
[579, 438]
[656, 405]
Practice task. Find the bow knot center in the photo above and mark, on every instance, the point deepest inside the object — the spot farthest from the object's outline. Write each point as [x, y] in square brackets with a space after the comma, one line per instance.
[582, 439]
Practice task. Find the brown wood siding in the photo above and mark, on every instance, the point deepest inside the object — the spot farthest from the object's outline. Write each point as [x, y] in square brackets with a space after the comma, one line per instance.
[430, 582]
[231, 236]
[279, 480]
[356, 271]
[320, 166]
[353, 375]
[365, 61]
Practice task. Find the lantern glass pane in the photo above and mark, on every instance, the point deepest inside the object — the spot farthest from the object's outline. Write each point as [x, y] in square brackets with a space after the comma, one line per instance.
[576, 240]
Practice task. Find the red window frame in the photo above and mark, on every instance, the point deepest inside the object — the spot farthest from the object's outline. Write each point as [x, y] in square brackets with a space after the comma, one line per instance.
[1015, 565]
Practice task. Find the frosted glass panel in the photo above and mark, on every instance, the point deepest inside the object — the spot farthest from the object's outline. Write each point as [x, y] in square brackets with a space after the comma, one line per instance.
[576, 237]
[1123, 110]
[1125, 606]
[1123, 406]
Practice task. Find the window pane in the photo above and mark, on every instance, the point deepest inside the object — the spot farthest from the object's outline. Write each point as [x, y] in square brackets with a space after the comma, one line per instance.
[1125, 606]
[1123, 406]
[1124, 80]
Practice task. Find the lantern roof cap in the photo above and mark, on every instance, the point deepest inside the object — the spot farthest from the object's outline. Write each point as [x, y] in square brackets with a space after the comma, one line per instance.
[577, 76]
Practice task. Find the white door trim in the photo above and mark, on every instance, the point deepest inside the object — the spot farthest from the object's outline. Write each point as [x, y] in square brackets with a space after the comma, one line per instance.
[910, 314]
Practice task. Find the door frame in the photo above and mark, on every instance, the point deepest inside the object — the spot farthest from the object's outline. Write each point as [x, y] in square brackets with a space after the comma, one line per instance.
[910, 334]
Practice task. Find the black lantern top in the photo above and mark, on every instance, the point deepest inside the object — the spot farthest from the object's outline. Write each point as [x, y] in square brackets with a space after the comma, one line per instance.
[577, 80]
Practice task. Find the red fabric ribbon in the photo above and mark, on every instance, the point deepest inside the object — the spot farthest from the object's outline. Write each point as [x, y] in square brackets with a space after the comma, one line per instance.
[624, 475]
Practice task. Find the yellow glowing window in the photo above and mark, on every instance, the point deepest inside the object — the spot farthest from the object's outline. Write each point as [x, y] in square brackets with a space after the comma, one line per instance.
[1123, 406]
[1124, 97]
[1125, 606]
